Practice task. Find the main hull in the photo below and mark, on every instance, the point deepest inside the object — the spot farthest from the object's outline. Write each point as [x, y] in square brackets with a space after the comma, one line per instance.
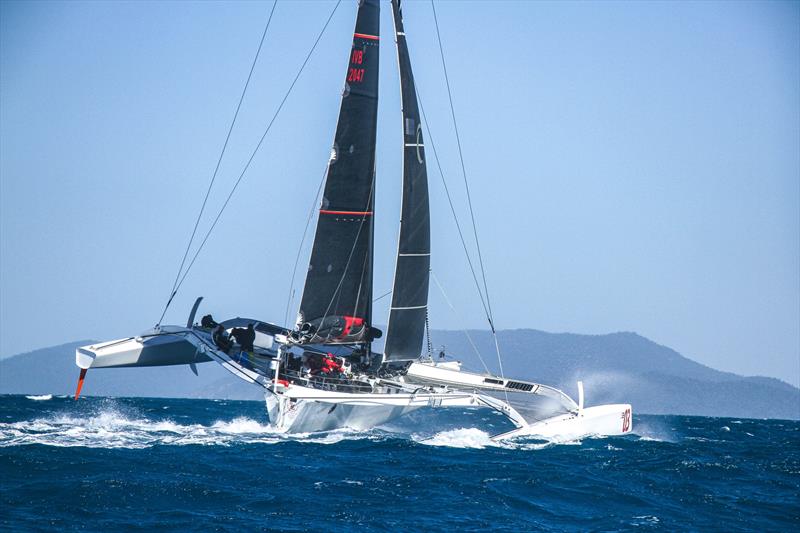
[298, 409]
[311, 416]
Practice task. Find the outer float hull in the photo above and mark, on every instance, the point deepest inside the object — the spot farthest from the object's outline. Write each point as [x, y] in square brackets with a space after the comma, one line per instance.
[601, 420]
[145, 350]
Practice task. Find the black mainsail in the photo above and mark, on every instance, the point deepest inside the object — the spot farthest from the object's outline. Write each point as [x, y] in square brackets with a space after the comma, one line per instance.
[406, 326]
[336, 307]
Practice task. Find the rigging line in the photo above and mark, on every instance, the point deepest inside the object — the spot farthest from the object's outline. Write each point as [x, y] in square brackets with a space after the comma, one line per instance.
[469, 337]
[463, 167]
[500, 362]
[303, 240]
[260, 142]
[469, 196]
[219, 161]
[453, 209]
[384, 295]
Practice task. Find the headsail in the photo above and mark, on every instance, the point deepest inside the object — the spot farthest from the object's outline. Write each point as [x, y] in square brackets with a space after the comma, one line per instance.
[336, 307]
[406, 326]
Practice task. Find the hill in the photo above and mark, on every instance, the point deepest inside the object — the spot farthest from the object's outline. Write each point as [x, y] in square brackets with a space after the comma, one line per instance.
[626, 367]
[614, 368]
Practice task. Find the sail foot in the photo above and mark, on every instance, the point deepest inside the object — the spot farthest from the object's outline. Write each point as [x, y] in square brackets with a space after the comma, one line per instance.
[336, 330]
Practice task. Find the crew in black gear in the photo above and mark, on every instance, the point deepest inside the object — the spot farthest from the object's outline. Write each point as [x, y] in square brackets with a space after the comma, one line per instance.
[220, 339]
[245, 337]
[208, 322]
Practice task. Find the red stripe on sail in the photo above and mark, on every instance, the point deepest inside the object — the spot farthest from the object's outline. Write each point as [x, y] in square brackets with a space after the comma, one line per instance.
[365, 36]
[328, 212]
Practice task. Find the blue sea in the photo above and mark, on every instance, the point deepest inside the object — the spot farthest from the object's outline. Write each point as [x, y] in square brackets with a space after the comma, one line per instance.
[136, 464]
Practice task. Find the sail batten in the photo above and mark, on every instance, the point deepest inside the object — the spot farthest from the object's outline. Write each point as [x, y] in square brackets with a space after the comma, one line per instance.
[408, 311]
[336, 307]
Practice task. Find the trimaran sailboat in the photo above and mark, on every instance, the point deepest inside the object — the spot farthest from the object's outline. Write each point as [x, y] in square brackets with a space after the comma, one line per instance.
[308, 390]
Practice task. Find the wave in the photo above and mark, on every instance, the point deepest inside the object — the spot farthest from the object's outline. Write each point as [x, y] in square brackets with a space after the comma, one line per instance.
[40, 398]
[116, 425]
[459, 438]
[478, 439]
[110, 427]
[654, 432]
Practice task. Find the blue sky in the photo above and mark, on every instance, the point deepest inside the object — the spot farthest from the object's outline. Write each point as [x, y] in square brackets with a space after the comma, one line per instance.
[635, 166]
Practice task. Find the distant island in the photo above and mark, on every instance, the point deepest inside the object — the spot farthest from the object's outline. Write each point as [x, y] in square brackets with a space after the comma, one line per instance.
[615, 367]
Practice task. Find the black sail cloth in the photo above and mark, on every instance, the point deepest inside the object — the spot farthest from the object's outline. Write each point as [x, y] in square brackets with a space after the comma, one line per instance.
[336, 307]
[406, 327]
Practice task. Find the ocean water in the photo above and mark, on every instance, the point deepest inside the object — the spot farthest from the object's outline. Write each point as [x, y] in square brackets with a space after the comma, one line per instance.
[103, 464]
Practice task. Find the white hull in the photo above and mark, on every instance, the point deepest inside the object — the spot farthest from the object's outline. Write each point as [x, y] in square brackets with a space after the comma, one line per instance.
[148, 349]
[599, 421]
[310, 416]
[168, 345]
[297, 409]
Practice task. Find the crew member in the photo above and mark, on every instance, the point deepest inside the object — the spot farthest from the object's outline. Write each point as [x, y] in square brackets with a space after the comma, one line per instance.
[331, 366]
[208, 322]
[245, 337]
[221, 339]
[248, 338]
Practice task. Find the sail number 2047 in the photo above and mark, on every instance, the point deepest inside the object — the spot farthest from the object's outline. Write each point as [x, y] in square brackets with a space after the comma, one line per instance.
[354, 73]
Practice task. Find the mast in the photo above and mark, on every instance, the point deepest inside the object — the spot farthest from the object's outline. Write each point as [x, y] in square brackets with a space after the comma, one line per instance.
[406, 327]
[336, 307]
